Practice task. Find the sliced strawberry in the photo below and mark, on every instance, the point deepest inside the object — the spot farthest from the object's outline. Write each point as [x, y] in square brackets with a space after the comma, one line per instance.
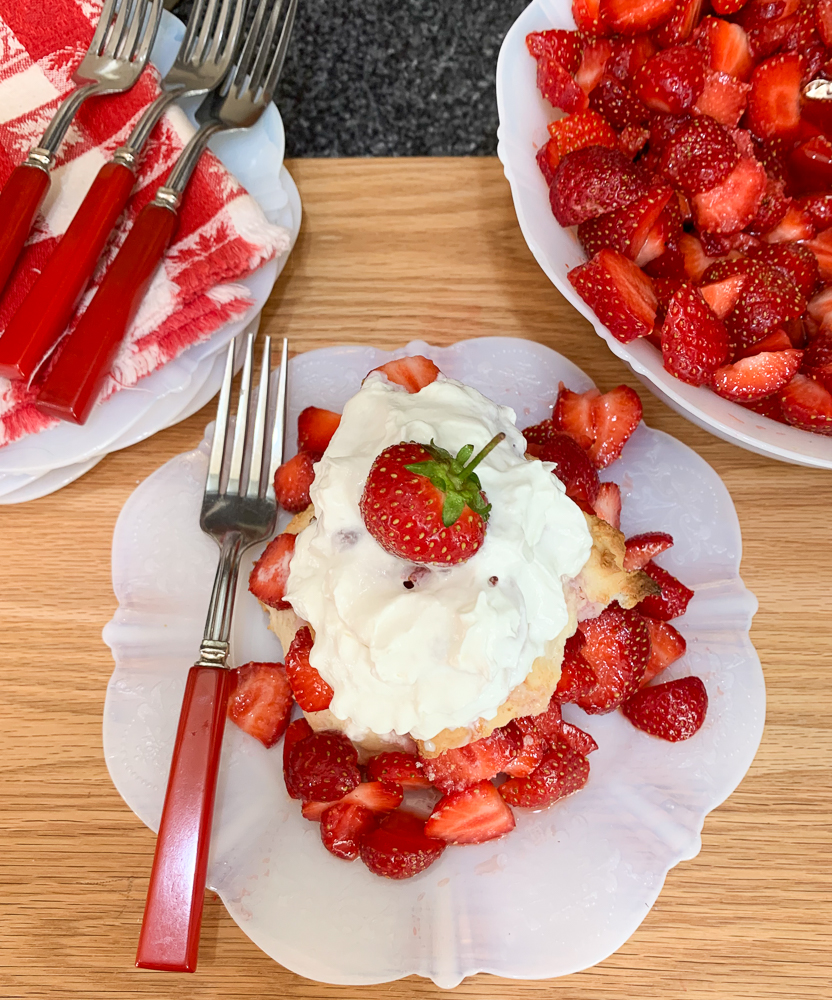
[673, 600]
[401, 768]
[779, 340]
[315, 429]
[565, 46]
[723, 98]
[580, 741]
[312, 692]
[398, 848]
[632, 140]
[627, 18]
[572, 467]
[769, 407]
[810, 165]
[577, 678]
[679, 26]
[723, 295]
[595, 56]
[616, 414]
[820, 309]
[726, 46]
[730, 205]
[630, 54]
[774, 100]
[672, 80]
[769, 299]
[572, 132]
[608, 504]
[626, 229]
[694, 258]
[807, 404]
[640, 549]
[618, 105]
[617, 648]
[414, 373]
[297, 731]
[548, 722]
[773, 206]
[755, 377]
[728, 6]
[793, 259]
[478, 761]
[817, 361]
[471, 816]
[260, 701]
[818, 208]
[666, 647]
[796, 224]
[619, 293]
[672, 711]
[558, 86]
[586, 15]
[270, 573]
[534, 747]
[344, 826]
[377, 796]
[292, 481]
[573, 413]
[592, 181]
[561, 772]
[823, 16]
[694, 341]
[323, 767]
[700, 155]
[821, 247]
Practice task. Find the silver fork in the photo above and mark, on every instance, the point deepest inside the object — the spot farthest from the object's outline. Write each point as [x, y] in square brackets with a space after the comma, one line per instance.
[74, 381]
[113, 62]
[202, 61]
[238, 510]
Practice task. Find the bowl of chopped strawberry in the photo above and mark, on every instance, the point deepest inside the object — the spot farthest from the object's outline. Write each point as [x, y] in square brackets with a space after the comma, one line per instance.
[671, 170]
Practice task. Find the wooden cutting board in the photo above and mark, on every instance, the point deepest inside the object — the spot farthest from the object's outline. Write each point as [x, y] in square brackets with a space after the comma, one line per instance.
[390, 251]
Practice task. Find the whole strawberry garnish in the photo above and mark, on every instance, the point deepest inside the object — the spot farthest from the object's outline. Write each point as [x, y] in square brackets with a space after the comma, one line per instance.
[424, 505]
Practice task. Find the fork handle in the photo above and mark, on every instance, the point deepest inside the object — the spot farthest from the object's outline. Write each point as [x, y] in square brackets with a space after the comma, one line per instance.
[169, 938]
[73, 384]
[19, 203]
[44, 314]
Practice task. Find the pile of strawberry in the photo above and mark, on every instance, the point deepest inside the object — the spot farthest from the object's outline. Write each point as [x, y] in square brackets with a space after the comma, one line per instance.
[610, 663]
[698, 175]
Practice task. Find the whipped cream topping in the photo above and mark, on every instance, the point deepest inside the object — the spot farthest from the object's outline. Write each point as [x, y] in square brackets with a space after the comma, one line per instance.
[448, 650]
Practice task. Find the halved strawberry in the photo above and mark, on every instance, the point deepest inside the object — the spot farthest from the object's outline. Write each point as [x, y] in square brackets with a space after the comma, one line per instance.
[757, 376]
[796, 224]
[270, 573]
[470, 816]
[398, 848]
[594, 180]
[666, 647]
[629, 18]
[807, 404]
[533, 749]
[292, 481]
[722, 296]
[730, 205]
[608, 504]
[619, 293]
[577, 678]
[778, 340]
[595, 56]
[673, 599]
[260, 701]
[414, 373]
[640, 549]
[619, 106]
[793, 259]
[401, 768]
[723, 98]
[584, 128]
[774, 100]
[573, 413]
[556, 43]
[312, 692]
[672, 711]
[344, 826]
[726, 46]
[558, 86]
[377, 796]
[323, 766]
[456, 769]
[561, 772]
[626, 229]
[671, 80]
[572, 467]
[315, 429]
[297, 731]
[694, 341]
[617, 648]
[580, 741]
[700, 155]
[679, 26]
[602, 424]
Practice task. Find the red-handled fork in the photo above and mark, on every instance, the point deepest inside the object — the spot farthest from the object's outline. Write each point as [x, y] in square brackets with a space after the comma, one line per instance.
[238, 510]
[113, 62]
[74, 382]
[201, 63]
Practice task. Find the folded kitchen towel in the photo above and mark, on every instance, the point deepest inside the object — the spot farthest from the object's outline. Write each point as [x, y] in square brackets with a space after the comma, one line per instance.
[222, 236]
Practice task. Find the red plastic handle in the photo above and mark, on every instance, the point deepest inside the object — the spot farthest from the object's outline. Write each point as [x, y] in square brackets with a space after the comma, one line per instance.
[74, 383]
[47, 309]
[169, 937]
[20, 200]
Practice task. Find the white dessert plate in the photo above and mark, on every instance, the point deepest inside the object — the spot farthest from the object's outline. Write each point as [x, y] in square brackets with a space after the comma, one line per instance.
[570, 884]
[524, 115]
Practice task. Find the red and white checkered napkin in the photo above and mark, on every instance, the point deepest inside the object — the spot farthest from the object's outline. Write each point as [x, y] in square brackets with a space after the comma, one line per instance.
[222, 237]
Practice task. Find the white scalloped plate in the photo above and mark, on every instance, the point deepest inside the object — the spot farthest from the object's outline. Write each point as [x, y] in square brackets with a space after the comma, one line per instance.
[524, 115]
[570, 884]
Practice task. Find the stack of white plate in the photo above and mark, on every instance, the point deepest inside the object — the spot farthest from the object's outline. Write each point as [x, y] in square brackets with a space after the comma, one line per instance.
[42, 463]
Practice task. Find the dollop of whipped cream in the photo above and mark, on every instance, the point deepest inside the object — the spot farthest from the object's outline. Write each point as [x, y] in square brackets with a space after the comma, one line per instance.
[447, 650]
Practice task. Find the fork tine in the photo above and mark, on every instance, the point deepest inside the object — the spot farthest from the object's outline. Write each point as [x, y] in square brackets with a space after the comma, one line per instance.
[103, 25]
[244, 62]
[226, 39]
[113, 41]
[194, 21]
[259, 433]
[280, 52]
[148, 22]
[212, 483]
[259, 69]
[241, 426]
[279, 429]
[205, 31]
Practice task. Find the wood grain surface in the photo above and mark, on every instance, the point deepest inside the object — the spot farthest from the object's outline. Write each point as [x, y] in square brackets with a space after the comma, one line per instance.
[392, 250]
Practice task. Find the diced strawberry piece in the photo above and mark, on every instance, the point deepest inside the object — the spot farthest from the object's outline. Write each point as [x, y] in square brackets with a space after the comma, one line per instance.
[572, 467]
[315, 429]
[810, 165]
[548, 722]
[573, 413]
[723, 98]
[594, 180]
[768, 300]
[728, 6]
[672, 80]
[769, 407]
[398, 848]
[730, 205]
[626, 229]
[629, 18]
[807, 404]
[640, 549]
[795, 260]
[630, 54]
[820, 309]
[632, 139]
[617, 104]
[593, 62]
[414, 373]
[700, 155]
[323, 767]
[757, 376]
[584, 128]
[673, 600]
[580, 741]
[270, 573]
[344, 826]
[821, 247]
[558, 86]
[774, 100]
[773, 206]
[823, 17]
[577, 678]
[694, 341]
[666, 647]
[723, 295]
[292, 481]
[672, 711]
[561, 772]
[817, 360]
[586, 15]
[297, 731]
[533, 749]
[548, 158]
[779, 340]
[620, 294]
[260, 701]
[617, 648]
[616, 414]
[796, 224]
[726, 47]
[470, 816]
[608, 504]
[456, 769]
[377, 796]
[401, 768]
[694, 258]
[679, 26]
[312, 692]
[565, 46]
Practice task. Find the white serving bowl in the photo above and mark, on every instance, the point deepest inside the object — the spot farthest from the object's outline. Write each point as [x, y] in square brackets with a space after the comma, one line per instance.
[524, 115]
